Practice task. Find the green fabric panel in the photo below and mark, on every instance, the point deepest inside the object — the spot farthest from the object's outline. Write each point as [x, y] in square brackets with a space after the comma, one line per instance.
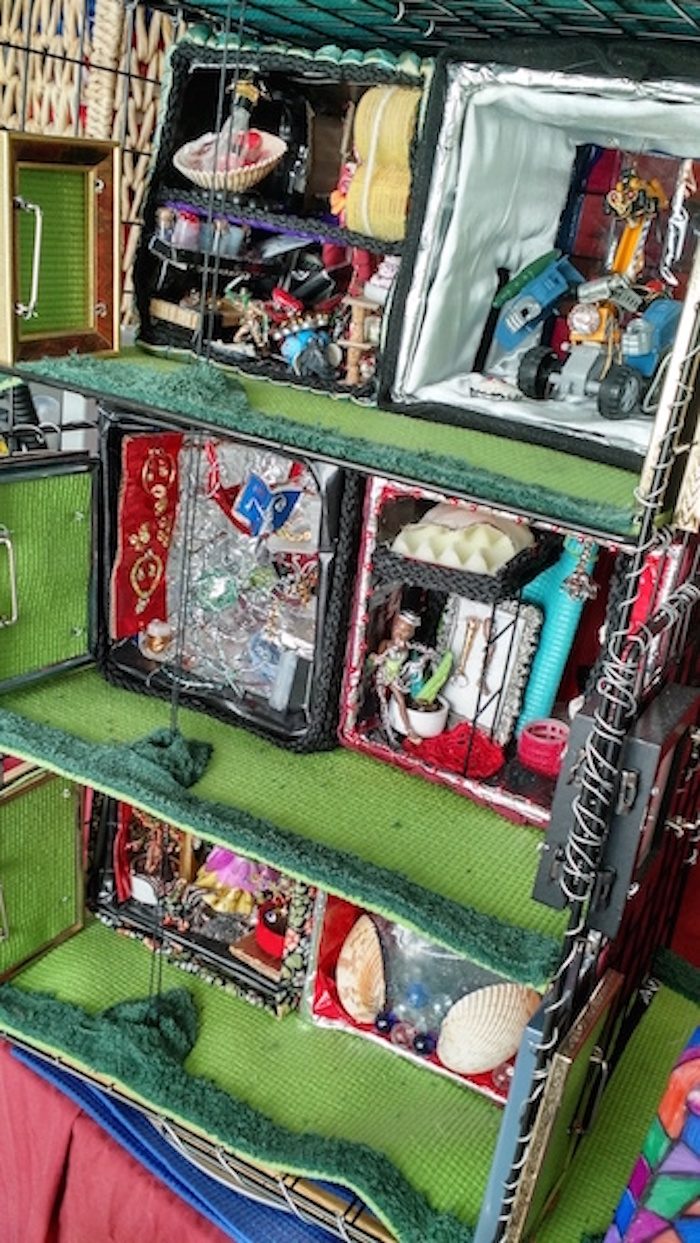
[604, 1161]
[530, 477]
[381, 837]
[49, 522]
[62, 305]
[321, 1096]
[38, 869]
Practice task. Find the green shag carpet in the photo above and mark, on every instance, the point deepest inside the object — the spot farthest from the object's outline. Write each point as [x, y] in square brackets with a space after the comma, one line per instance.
[528, 477]
[322, 1103]
[414, 1144]
[380, 837]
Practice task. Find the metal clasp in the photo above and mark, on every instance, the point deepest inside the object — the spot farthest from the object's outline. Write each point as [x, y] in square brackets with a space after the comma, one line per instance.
[6, 542]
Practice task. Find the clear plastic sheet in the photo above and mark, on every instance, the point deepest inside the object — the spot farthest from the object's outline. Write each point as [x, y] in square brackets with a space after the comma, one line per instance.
[389, 984]
[243, 567]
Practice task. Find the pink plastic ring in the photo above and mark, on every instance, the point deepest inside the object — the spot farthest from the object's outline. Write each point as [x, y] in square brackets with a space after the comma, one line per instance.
[541, 746]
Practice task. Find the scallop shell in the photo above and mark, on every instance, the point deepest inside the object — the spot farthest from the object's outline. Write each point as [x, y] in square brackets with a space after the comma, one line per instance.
[460, 517]
[484, 1028]
[359, 972]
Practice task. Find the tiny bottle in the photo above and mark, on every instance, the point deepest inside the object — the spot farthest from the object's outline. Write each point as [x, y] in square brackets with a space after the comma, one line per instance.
[237, 141]
[186, 230]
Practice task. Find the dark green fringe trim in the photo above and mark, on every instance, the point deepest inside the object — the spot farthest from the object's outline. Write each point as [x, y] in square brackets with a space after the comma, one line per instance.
[166, 749]
[123, 771]
[677, 974]
[142, 1044]
[198, 391]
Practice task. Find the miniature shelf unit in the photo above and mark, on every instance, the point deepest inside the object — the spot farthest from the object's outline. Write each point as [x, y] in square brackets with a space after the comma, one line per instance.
[561, 880]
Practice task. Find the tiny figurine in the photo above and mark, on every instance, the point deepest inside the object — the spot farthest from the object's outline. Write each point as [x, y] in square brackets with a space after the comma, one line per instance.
[253, 329]
[165, 223]
[399, 666]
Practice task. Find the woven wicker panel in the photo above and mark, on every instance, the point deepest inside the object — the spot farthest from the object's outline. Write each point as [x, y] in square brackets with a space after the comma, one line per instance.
[74, 68]
[144, 41]
[42, 49]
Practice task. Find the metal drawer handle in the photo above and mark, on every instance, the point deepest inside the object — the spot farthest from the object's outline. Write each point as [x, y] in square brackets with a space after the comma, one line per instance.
[6, 542]
[4, 926]
[26, 310]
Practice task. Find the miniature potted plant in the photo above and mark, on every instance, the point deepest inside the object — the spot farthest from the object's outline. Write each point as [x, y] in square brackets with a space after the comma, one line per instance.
[409, 702]
[426, 709]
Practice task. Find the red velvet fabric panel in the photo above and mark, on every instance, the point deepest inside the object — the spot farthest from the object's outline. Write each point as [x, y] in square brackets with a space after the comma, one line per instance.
[686, 935]
[64, 1180]
[110, 1198]
[36, 1123]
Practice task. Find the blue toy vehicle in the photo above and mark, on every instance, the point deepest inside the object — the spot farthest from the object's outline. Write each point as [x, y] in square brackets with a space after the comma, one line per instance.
[613, 364]
[619, 334]
[531, 296]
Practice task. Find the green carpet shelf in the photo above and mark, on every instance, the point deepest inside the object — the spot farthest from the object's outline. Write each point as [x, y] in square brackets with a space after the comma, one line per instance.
[381, 838]
[281, 1092]
[536, 480]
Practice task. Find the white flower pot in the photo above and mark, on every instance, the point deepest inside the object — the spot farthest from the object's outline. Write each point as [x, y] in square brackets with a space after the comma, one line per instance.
[425, 723]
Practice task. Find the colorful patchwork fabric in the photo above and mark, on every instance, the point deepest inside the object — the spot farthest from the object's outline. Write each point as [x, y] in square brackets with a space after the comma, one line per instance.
[661, 1203]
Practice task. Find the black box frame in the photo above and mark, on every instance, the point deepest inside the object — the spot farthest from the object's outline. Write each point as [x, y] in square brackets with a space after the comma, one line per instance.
[669, 62]
[312, 726]
[190, 108]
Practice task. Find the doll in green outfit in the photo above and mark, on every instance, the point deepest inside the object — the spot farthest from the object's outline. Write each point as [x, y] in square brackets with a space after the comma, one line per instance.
[399, 666]
[393, 673]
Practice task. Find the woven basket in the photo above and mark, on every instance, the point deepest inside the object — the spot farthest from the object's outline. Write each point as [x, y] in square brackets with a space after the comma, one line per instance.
[385, 123]
[237, 179]
[377, 202]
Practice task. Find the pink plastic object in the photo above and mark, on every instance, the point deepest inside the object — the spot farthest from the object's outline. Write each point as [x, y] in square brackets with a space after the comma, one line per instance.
[541, 746]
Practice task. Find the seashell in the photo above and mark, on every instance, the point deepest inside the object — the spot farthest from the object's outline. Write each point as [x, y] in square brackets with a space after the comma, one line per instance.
[475, 563]
[440, 539]
[460, 516]
[484, 1028]
[472, 545]
[408, 62]
[359, 972]
[450, 558]
[351, 56]
[330, 51]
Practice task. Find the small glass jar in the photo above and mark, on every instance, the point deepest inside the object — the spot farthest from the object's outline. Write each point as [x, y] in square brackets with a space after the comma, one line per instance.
[231, 238]
[186, 230]
[165, 223]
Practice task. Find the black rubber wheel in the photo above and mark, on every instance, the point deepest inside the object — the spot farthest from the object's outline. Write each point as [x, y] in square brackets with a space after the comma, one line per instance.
[620, 392]
[536, 369]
